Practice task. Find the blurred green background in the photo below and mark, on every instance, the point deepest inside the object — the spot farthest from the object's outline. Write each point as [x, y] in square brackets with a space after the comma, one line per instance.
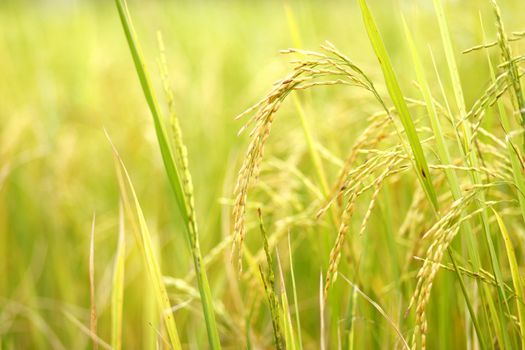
[66, 75]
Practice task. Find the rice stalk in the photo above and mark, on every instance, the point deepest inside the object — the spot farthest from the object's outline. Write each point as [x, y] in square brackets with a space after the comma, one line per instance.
[268, 280]
[176, 169]
[322, 328]
[515, 273]
[396, 95]
[295, 299]
[513, 151]
[93, 302]
[380, 310]
[144, 243]
[288, 330]
[472, 159]
[95, 338]
[117, 290]
[452, 179]
[506, 53]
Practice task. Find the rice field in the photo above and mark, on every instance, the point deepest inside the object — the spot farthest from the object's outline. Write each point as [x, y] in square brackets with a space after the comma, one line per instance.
[262, 175]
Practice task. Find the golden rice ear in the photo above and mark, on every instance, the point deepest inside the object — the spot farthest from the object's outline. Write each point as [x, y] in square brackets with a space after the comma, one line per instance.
[313, 69]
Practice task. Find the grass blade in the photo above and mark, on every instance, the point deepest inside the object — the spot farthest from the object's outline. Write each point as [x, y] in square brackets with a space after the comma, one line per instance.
[515, 273]
[295, 300]
[151, 99]
[308, 134]
[352, 315]
[92, 296]
[145, 245]
[96, 339]
[398, 99]
[179, 180]
[117, 291]
[380, 310]
[269, 287]
[322, 337]
[471, 158]
[190, 217]
[289, 334]
[494, 314]
[450, 174]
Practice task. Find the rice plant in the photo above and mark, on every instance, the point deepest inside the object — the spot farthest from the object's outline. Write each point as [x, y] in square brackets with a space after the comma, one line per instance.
[288, 175]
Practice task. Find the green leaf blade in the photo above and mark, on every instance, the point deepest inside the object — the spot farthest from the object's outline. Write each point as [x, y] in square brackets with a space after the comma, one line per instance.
[398, 99]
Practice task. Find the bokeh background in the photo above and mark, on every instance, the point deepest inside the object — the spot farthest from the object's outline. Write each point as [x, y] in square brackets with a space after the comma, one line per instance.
[66, 75]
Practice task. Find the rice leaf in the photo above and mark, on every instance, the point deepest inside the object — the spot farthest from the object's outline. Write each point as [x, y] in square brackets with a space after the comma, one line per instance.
[295, 300]
[380, 310]
[398, 99]
[352, 314]
[496, 322]
[178, 176]
[92, 295]
[268, 280]
[471, 157]
[322, 338]
[515, 273]
[289, 334]
[151, 99]
[117, 290]
[95, 338]
[452, 179]
[144, 243]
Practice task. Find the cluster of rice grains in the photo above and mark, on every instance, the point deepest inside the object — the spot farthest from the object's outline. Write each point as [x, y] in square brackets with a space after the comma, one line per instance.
[480, 168]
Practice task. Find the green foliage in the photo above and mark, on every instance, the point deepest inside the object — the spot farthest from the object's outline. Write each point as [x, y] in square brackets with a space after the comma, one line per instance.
[390, 163]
